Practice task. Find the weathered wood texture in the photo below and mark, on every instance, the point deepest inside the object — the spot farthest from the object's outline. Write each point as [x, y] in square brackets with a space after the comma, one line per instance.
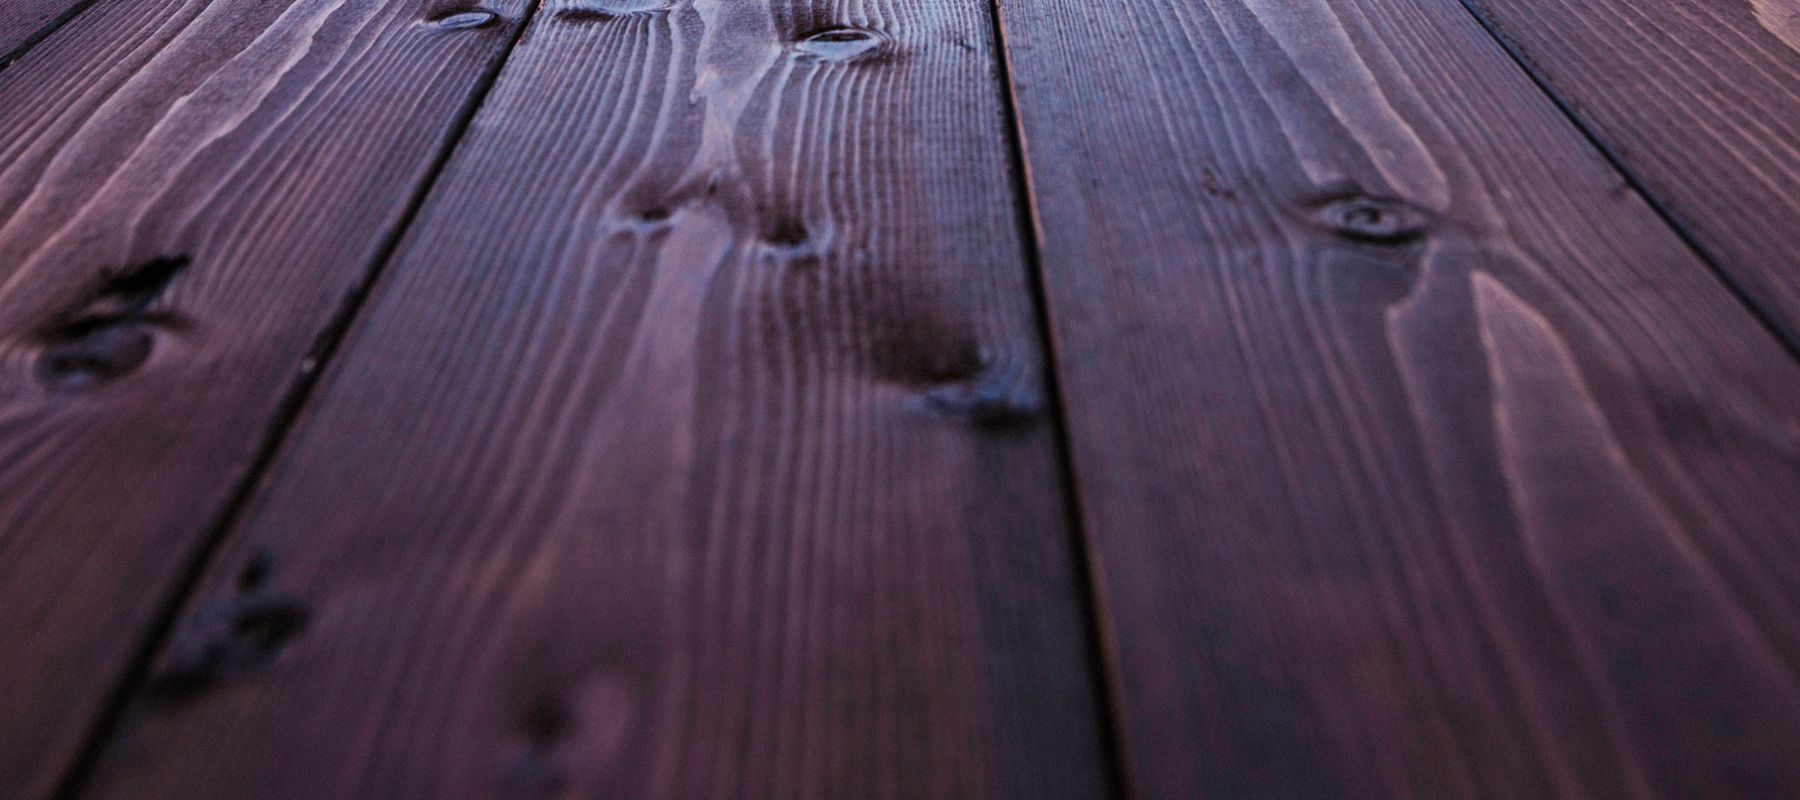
[1421, 459]
[692, 446]
[25, 21]
[1701, 102]
[175, 232]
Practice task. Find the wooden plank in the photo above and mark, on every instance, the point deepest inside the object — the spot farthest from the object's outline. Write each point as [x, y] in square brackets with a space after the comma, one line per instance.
[1701, 103]
[175, 234]
[1420, 458]
[693, 446]
[26, 21]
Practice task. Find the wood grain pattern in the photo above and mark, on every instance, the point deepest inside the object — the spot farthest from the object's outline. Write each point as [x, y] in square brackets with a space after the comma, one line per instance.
[1701, 102]
[25, 21]
[173, 239]
[693, 446]
[1421, 459]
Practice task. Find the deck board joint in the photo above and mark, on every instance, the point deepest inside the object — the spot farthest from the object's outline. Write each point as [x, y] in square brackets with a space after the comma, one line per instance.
[1788, 338]
[43, 33]
[313, 366]
[1102, 658]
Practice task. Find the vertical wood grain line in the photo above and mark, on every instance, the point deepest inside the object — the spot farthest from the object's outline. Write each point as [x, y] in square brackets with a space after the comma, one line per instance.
[319, 355]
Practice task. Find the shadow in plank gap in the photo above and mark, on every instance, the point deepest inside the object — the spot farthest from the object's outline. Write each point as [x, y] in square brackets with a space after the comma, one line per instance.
[28, 22]
[1697, 104]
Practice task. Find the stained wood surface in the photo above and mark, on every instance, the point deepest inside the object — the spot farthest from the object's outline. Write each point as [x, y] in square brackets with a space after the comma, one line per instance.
[1701, 102]
[698, 438]
[1420, 459]
[694, 445]
[174, 235]
[23, 22]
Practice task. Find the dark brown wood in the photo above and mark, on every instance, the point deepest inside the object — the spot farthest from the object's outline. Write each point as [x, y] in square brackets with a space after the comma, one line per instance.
[175, 233]
[25, 21]
[694, 445]
[1701, 102]
[1421, 459]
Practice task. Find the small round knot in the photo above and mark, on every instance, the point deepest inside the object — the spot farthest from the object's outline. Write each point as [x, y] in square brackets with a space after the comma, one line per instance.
[787, 236]
[466, 20]
[792, 243]
[647, 220]
[841, 45]
[1376, 220]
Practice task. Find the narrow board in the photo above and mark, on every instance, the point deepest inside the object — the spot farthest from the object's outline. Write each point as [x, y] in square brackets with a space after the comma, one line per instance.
[188, 192]
[1421, 459]
[26, 21]
[1701, 103]
[693, 446]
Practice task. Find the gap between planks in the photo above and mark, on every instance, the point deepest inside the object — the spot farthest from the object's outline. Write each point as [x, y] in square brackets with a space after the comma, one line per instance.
[1787, 337]
[44, 31]
[1103, 657]
[319, 357]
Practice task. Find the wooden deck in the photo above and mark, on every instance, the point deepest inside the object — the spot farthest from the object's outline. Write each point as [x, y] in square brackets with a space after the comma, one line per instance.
[768, 399]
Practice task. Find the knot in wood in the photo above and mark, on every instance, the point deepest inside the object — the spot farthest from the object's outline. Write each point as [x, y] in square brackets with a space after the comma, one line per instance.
[107, 333]
[842, 45]
[226, 640]
[94, 358]
[1375, 220]
[466, 20]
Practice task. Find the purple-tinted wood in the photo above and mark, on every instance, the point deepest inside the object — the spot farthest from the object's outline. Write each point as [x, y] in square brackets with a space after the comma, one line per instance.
[694, 445]
[1701, 102]
[188, 191]
[1421, 459]
[23, 22]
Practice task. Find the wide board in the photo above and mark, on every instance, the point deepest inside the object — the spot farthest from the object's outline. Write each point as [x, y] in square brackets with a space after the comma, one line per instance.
[1420, 458]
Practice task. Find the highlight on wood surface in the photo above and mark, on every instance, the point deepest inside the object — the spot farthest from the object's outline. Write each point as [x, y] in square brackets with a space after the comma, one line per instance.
[818, 399]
